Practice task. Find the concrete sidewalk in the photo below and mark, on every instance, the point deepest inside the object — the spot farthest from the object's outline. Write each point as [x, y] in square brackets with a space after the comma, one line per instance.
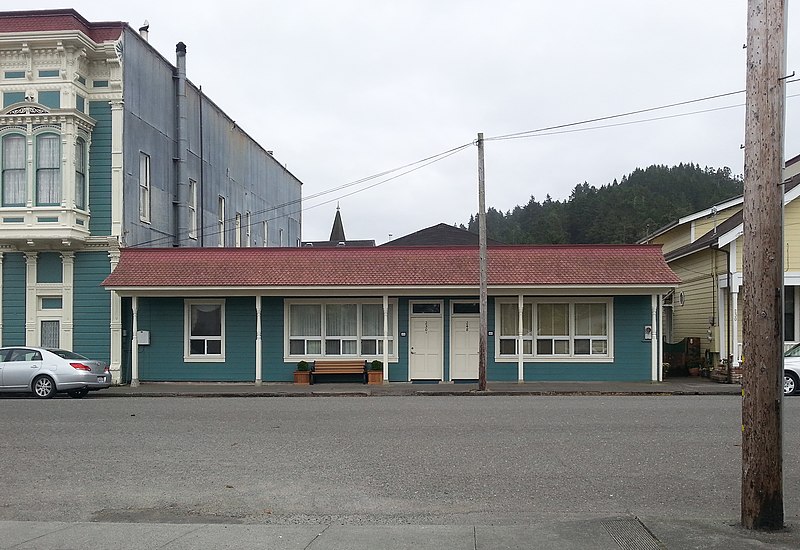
[598, 533]
[671, 386]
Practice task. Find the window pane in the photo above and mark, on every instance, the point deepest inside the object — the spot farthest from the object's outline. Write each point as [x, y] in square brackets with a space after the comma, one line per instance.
[333, 347]
[426, 308]
[544, 347]
[214, 346]
[197, 347]
[600, 347]
[297, 347]
[349, 347]
[508, 347]
[372, 320]
[314, 347]
[553, 319]
[369, 347]
[206, 320]
[305, 320]
[508, 319]
[561, 347]
[340, 319]
[472, 307]
[590, 319]
[582, 346]
[527, 347]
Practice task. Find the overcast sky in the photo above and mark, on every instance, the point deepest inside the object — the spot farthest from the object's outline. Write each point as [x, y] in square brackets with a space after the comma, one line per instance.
[344, 90]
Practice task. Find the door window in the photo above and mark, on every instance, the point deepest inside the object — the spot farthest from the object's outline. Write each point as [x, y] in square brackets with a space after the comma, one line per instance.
[49, 335]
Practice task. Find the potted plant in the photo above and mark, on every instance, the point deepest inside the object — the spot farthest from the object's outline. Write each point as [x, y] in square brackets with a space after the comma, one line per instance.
[375, 372]
[694, 370]
[302, 375]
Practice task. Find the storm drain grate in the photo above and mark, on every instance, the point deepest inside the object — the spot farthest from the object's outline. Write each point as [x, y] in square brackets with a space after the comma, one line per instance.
[631, 534]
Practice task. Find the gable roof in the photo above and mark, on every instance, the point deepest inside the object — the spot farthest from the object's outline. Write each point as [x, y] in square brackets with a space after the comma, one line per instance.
[530, 266]
[730, 229]
[440, 234]
[59, 20]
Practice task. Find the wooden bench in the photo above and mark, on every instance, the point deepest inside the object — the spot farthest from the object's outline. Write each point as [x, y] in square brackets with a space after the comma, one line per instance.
[339, 367]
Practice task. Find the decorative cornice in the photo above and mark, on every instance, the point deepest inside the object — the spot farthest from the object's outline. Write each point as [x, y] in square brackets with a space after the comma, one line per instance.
[27, 110]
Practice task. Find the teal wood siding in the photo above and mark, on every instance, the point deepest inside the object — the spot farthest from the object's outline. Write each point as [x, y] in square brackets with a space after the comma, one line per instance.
[13, 299]
[273, 367]
[632, 353]
[48, 268]
[162, 359]
[398, 372]
[100, 169]
[91, 306]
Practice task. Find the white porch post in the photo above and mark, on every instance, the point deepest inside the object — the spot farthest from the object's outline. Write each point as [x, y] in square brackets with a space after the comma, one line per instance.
[660, 346]
[135, 343]
[258, 340]
[520, 333]
[385, 338]
[116, 326]
[735, 327]
[68, 281]
[1, 294]
[31, 330]
[722, 320]
[653, 336]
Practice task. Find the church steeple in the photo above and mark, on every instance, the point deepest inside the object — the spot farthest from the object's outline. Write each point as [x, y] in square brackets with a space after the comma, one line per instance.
[337, 232]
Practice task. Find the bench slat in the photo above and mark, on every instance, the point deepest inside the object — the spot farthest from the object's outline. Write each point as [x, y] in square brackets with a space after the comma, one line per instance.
[339, 367]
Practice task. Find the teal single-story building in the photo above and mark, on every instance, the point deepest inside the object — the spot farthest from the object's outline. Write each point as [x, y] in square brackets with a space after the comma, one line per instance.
[573, 312]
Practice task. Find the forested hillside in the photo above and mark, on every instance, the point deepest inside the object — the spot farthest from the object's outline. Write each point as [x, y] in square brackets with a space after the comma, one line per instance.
[620, 212]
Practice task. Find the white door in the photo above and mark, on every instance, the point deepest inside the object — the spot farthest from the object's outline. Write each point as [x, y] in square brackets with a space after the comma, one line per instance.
[464, 348]
[425, 353]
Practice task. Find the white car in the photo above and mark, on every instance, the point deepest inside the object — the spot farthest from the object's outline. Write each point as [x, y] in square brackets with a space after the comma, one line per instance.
[47, 371]
[791, 370]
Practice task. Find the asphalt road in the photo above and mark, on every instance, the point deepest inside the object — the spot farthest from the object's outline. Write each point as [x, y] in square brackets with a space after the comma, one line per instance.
[389, 460]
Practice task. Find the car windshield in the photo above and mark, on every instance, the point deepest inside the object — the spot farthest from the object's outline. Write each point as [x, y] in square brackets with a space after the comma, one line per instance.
[64, 354]
[793, 351]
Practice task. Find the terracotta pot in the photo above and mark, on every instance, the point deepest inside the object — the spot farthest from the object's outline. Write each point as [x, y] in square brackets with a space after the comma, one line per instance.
[375, 377]
[302, 377]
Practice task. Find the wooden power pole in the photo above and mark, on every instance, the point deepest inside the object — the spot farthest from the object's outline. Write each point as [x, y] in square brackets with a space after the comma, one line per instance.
[484, 276]
[762, 380]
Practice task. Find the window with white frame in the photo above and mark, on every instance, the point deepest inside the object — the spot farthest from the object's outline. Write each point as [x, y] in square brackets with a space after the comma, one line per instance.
[237, 227]
[13, 163]
[205, 330]
[509, 328]
[80, 173]
[335, 329]
[247, 229]
[48, 169]
[192, 206]
[144, 187]
[555, 329]
[221, 220]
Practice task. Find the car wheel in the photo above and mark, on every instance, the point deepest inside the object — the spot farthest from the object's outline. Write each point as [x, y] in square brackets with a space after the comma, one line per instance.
[77, 394]
[790, 383]
[44, 387]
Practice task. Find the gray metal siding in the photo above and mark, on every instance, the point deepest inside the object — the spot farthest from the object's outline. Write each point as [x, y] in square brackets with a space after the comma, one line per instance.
[234, 165]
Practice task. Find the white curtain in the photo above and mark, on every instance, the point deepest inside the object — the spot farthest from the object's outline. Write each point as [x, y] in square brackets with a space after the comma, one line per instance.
[48, 174]
[341, 320]
[372, 320]
[305, 320]
[14, 170]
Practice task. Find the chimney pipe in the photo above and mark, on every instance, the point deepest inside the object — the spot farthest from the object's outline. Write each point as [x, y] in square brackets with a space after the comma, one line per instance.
[182, 135]
[144, 31]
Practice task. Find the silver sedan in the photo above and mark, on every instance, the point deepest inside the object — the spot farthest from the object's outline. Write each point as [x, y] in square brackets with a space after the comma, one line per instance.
[47, 371]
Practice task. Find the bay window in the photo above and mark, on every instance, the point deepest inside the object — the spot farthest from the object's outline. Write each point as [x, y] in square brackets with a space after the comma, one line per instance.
[555, 329]
[80, 173]
[338, 328]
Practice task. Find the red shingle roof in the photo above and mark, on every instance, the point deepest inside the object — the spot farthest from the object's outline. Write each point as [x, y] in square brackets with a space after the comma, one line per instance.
[58, 20]
[575, 265]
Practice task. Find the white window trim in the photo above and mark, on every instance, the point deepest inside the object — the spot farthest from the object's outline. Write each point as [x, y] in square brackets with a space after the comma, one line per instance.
[287, 357]
[237, 228]
[534, 357]
[247, 232]
[221, 220]
[145, 170]
[187, 325]
[192, 206]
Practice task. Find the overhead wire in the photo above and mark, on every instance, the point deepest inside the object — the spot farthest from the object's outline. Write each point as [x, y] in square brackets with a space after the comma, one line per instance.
[421, 163]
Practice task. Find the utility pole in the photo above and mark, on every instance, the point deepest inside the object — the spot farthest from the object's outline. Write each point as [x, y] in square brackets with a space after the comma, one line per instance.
[484, 276]
[762, 377]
